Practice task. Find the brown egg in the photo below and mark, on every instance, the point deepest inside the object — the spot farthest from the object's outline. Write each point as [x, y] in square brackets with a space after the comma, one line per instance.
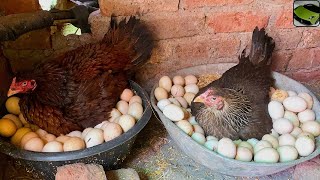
[160, 93]
[190, 79]
[53, 146]
[75, 134]
[73, 144]
[22, 119]
[177, 91]
[178, 80]
[48, 138]
[111, 131]
[126, 95]
[12, 105]
[123, 107]
[15, 119]
[41, 132]
[27, 137]
[165, 83]
[34, 144]
[115, 113]
[135, 99]
[62, 138]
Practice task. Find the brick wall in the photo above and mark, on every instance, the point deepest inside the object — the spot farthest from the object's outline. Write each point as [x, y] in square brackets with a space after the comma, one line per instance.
[196, 32]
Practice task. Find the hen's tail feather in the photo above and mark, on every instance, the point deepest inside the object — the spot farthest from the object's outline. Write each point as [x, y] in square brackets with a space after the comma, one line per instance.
[262, 47]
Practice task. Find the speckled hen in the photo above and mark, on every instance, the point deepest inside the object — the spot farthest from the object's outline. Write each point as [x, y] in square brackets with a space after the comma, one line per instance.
[235, 106]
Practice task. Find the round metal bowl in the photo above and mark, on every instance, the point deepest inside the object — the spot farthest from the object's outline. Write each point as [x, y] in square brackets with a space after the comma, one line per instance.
[219, 163]
[109, 154]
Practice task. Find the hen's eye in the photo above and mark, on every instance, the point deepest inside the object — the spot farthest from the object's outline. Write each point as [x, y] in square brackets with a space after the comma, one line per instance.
[214, 98]
[24, 83]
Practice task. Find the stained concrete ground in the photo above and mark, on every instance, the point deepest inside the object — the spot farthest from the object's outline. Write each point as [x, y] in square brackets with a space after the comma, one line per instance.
[155, 156]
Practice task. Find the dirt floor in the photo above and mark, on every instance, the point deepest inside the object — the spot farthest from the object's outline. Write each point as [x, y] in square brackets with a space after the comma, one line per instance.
[155, 156]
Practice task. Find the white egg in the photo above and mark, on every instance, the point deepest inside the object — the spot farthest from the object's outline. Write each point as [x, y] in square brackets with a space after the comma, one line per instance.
[274, 133]
[185, 126]
[189, 97]
[165, 83]
[198, 129]
[306, 115]
[190, 79]
[308, 98]
[283, 126]
[253, 141]
[135, 110]
[178, 80]
[292, 93]
[174, 101]
[160, 93]
[292, 117]
[135, 99]
[173, 112]
[94, 137]
[227, 148]
[309, 135]
[191, 88]
[312, 127]
[287, 140]
[295, 104]
[85, 132]
[163, 103]
[275, 110]
[246, 145]
[244, 154]
[182, 102]
[211, 144]
[237, 142]
[211, 138]
[53, 146]
[177, 91]
[114, 114]
[287, 153]
[192, 120]
[272, 140]
[296, 131]
[100, 124]
[305, 146]
[261, 145]
[126, 122]
[199, 138]
[34, 144]
[267, 155]
[126, 95]
[75, 134]
[279, 95]
[111, 131]
[122, 106]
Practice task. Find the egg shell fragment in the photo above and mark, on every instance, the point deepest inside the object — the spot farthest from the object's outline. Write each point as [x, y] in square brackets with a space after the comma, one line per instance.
[272, 140]
[296, 131]
[267, 155]
[136, 110]
[178, 80]
[295, 104]
[199, 138]
[227, 148]
[111, 131]
[177, 91]
[244, 154]
[165, 83]
[34, 144]
[53, 146]
[275, 110]
[126, 95]
[306, 115]
[94, 137]
[173, 112]
[261, 145]
[73, 144]
[191, 88]
[190, 79]
[212, 144]
[122, 106]
[279, 95]
[163, 103]
[304, 145]
[283, 126]
[312, 127]
[189, 97]
[185, 126]
[126, 122]
[135, 99]
[292, 117]
[114, 114]
[287, 153]
[287, 140]
[308, 98]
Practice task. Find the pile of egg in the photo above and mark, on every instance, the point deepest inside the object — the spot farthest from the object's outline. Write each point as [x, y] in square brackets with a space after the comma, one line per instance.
[122, 118]
[294, 125]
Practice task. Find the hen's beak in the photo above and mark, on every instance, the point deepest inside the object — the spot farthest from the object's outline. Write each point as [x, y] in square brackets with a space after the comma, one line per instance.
[12, 92]
[198, 99]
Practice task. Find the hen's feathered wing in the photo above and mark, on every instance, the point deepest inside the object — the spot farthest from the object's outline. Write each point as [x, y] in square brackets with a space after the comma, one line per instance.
[80, 89]
[247, 85]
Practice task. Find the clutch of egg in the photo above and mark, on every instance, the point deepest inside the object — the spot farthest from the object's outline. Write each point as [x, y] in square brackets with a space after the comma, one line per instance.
[294, 123]
[30, 137]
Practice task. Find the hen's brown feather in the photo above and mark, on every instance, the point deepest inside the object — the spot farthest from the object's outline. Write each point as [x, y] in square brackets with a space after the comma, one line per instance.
[79, 89]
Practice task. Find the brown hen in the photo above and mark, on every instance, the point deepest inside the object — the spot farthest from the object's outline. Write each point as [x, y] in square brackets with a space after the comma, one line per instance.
[79, 89]
[235, 106]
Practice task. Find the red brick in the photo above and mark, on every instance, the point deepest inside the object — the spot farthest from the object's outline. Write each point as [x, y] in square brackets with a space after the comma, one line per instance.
[286, 38]
[301, 59]
[279, 1]
[306, 75]
[131, 7]
[188, 49]
[175, 25]
[310, 38]
[162, 52]
[285, 19]
[38, 39]
[237, 21]
[190, 4]
[280, 60]
[316, 59]
[19, 6]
